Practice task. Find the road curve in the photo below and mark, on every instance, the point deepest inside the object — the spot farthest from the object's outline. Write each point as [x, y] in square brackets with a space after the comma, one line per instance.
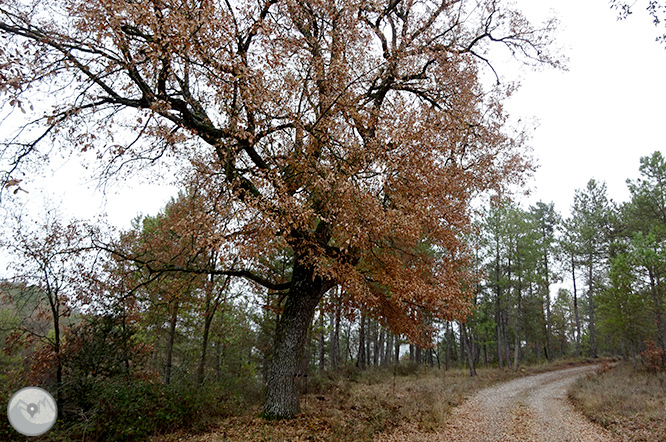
[530, 409]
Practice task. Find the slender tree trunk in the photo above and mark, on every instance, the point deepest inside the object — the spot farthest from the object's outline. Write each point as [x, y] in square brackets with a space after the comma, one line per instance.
[575, 301]
[485, 355]
[282, 395]
[658, 311]
[170, 341]
[322, 342]
[591, 312]
[505, 335]
[386, 360]
[498, 314]
[519, 314]
[507, 347]
[368, 341]
[463, 349]
[469, 345]
[447, 355]
[549, 323]
[56, 350]
[379, 348]
[360, 361]
[348, 353]
[212, 303]
[335, 337]
[208, 319]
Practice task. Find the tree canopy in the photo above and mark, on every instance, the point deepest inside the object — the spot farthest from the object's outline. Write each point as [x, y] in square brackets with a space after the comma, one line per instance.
[353, 134]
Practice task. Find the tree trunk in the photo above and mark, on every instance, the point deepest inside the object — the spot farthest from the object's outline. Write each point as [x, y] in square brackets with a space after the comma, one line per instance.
[282, 395]
[575, 302]
[498, 314]
[212, 304]
[591, 310]
[322, 342]
[462, 346]
[519, 317]
[360, 361]
[386, 359]
[208, 319]
[447, 355]
[549, 322]
[469, 346]
[335, 336]
[379, 347]
[169, 349]
[56, 350]
[658, 311]
[368, 341]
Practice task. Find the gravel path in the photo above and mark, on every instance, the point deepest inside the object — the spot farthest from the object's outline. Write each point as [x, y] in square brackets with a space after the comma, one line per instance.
[530, 409]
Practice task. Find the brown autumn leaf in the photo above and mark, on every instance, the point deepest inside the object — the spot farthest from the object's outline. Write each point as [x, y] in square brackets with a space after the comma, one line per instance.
[353, 135]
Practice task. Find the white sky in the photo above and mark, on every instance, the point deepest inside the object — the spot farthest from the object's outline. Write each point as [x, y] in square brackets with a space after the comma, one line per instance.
[600, 117]
[596, 120]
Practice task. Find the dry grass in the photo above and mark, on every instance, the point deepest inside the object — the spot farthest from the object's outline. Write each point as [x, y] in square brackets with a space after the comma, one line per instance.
[360, 406]
[631, 403]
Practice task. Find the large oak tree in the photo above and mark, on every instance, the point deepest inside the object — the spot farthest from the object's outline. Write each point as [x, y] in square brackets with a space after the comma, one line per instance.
[351, 133]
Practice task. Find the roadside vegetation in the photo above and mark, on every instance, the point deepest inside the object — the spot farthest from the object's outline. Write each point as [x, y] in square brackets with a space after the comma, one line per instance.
[629, 402]
[359, 405]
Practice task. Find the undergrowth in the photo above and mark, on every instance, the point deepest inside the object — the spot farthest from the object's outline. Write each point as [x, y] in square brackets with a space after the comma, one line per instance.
[629, 402]
[358, 406]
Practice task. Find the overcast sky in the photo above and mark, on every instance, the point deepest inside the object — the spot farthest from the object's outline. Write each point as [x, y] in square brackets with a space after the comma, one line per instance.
[598, 118]
[595, 120]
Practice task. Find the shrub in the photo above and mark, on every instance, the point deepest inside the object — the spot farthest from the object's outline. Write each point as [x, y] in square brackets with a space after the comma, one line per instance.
[117, 409]
[653, 357]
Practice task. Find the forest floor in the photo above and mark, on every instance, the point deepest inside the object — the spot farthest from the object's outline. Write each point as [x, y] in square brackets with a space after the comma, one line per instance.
[530, 409]
[419, 406]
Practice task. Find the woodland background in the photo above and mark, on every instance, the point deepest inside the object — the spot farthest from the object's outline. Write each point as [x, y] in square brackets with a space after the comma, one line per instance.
[346, 172]
[130, 353]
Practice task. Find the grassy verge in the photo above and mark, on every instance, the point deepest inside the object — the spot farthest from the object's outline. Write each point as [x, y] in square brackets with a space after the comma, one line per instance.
[359, 406]
[630, 403]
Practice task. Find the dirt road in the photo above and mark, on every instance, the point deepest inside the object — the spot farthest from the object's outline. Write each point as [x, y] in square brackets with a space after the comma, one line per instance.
[530, 409]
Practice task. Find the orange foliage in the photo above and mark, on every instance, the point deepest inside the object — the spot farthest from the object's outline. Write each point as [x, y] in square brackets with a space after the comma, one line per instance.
[653, 356]
[352, 134]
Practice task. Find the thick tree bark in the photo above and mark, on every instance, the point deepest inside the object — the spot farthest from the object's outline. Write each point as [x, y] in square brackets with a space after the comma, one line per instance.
[282, 395]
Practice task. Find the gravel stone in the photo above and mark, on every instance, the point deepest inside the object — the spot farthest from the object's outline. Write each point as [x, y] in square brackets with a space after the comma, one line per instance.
[530, 409]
